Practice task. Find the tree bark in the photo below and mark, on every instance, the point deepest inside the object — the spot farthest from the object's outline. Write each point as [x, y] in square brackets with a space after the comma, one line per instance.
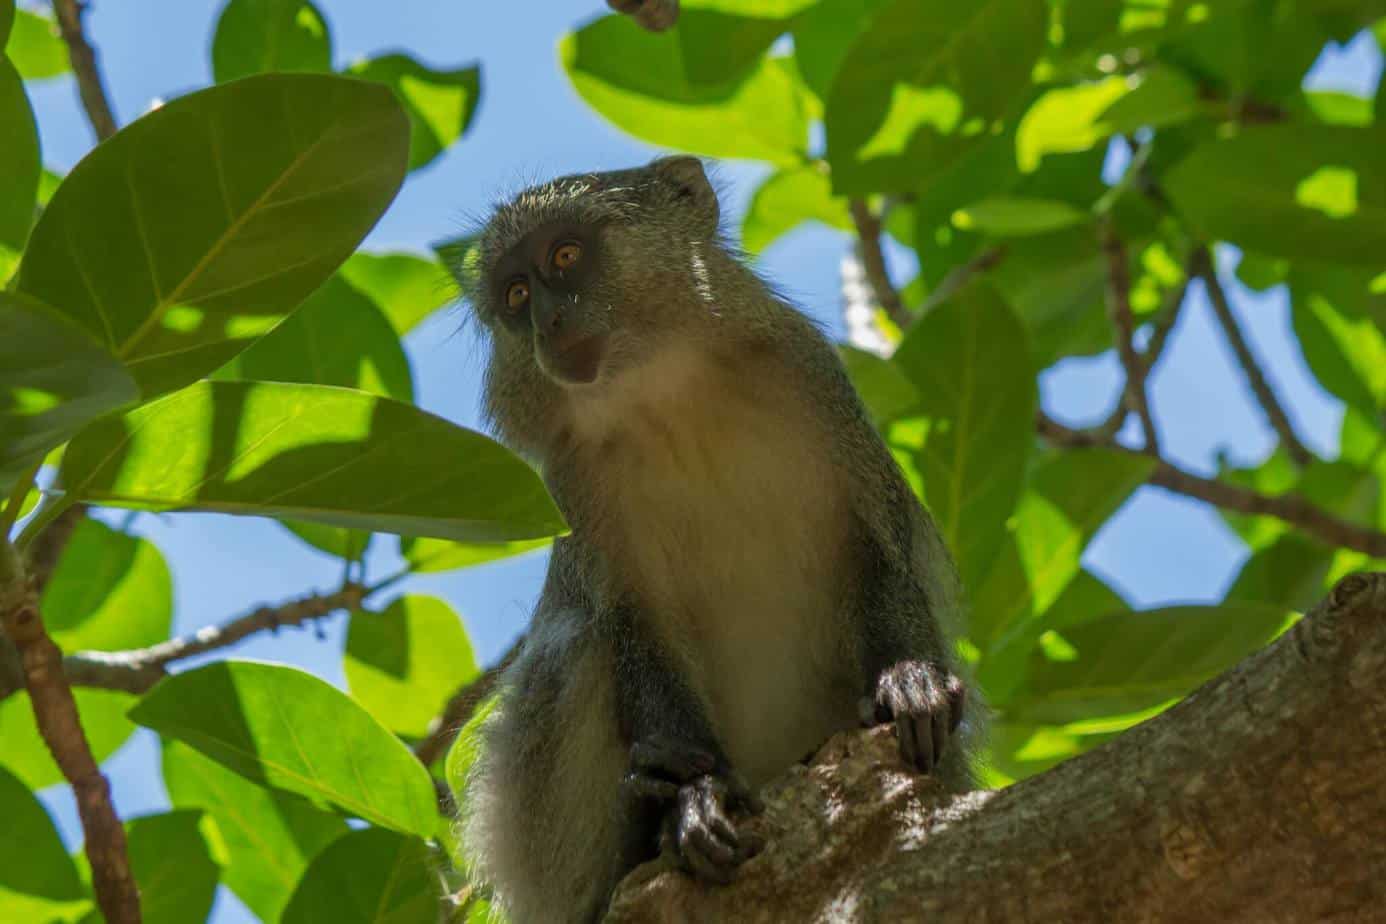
[1260, 798]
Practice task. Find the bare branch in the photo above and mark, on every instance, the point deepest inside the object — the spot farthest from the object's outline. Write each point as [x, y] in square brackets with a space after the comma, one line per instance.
[47, 547]
[90, 86]
[460, 708]
[1123, 326]
[1250, 367]
[653, 15]
[55, 713]
[873, 260]
[1288, 508]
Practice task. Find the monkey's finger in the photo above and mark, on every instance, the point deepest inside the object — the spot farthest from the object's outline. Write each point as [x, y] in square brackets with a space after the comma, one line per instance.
[938, 726]
[706, 856]
[644, 786]
[714, 818]
[914, 729]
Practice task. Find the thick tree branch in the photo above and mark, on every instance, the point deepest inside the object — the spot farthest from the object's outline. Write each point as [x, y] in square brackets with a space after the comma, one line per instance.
[1124, 330]
[55, 713]
[1265, 395]
[1289, 508]
[873, 261]
[460, 708]
[90, 86]
[1260, 798]
[653, 15]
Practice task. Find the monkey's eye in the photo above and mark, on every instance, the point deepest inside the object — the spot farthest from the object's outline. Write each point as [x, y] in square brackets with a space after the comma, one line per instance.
[565, 256]
[517, 295]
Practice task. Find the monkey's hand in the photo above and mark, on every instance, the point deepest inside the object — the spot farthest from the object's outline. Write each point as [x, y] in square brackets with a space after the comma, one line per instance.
[698, 800]
[926, 704]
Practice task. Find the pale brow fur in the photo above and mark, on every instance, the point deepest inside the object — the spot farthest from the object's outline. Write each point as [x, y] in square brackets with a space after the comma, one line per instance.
[722, 471]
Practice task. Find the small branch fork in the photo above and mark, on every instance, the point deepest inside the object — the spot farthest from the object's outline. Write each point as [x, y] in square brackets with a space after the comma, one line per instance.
[1123, 327]
[90, 85]
[868, 226]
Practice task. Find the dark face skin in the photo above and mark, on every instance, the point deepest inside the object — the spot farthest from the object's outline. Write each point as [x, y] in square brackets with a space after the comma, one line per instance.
[543, 289]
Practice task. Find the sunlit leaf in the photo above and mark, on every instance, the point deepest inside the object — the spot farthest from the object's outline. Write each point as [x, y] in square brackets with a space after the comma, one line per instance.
[110, 591]
[20, 168]
[1159, 96]
[310, 452]
[38, 881]
[425, 555]
[885, 390]
[256, 36]
[440, 104]
[824, 33]
[407, 288]
[269, 836]
[25, 754]
[788, 198]
[461, 758]
[196, 228]
[403, 662]
[35, 48]
[54, 379]
[346, 544]
[288, 729]
[1066, 119]
[1341, 325]
[367, 877]
[721, 40]
[1017, 216]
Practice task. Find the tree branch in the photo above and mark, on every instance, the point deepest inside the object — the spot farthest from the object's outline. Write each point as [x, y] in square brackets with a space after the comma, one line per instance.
[90, 86]
[873, 261]
[47, 547]
[1289, 508]
[1250, 367]
[55, 713]
[1259, 798]
[653, 15]
[1123, 327]
[460, 707]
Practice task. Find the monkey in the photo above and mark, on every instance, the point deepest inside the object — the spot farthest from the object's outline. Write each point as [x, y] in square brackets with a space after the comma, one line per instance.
[747, 570]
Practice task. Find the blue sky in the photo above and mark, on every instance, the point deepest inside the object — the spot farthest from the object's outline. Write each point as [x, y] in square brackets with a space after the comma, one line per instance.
[1159, 549]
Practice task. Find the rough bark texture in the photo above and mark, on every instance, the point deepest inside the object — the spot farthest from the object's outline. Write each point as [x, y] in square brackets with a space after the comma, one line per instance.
[1261, 798]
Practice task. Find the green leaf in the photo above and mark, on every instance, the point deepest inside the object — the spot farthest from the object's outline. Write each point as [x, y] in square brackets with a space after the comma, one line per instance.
[35, 48]
[923, 85]
[427, 555]
[54, 379]
[173, 867]
[1086, 598]
[1289, 571]
[1286, 191]
[457, 767]
[310, 452]
[20, 168]
[721, 41]
[26, 755]
[255, 36]
[109, 592]
[367, 877]
[1157, 97]
[1017, 216]
[1127, 663]
[38, 881]
[639, 81]
[968, 360]
[440, 104]
[285, 728]
[268, 836]
[6, 21]
[1341, 324]
[1065, 120]
[824, 33]
[884, 389]
[338, 336]
[1057, 285]
[407, 288]
[196, 228]
[1336, 108]
[787, 198]
[403, 663]
[346, 544]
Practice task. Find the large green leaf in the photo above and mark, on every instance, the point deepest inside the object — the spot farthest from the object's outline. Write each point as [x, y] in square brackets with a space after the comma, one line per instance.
[367, 877]
[288, 729]
[425, 555]
[883, 388]
[196, 228]
[440, 104]
[38, 881]
[721, 41]
[1132, 662]
[1065, 120]
[1057, 283]
[27, 756]
[407, 288]
[1290, 571]
[54, 379]
[969, 362]
[346, 544]
[1286, 190]
[6, 21]
[110, 591]
[786, 199]
[35, 48]
[254, 36]
[404, 662]
[639, 81]
[310, 452]
[268, 836]
[924, 85]
[173, 867]
[20, 167]
[1017, 216]
[1340, 318]
[824, 33]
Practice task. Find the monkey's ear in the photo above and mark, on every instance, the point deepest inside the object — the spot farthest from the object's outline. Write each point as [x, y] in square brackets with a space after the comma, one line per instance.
[690, 183]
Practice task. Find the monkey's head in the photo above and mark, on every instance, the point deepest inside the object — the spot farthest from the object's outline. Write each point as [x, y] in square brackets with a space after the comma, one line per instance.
[584, 278]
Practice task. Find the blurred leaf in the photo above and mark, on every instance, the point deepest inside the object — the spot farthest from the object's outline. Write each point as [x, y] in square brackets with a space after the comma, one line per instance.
[824, 33]
[26, 755]
[923, 85]
[1257, 51]
[38, 881]
[367, 877]
[1018, 751]
[976, 387]
[1057, 285]
[1275, 475]
[35, 48]
[886, 391]
[1315, 195]
[173, 867]
[639, 81]
[440, 104]
[428, 555]
[1066, 119]
[457, 767]
[20, 167]
[310, 452]
[6, 21]
[1017, 216]
[255, 36]
[109, 592]
[1157, 97]
[269, 836]
[285, 728]
[1086, 599]
[196, 228]
[346, 544]
[721, 41]
[1131, 662]
[786, 199]
[407, 288]
[1341, 325]
[54, 379]
[1335, 108]
[1289, 571]
[1259, 272]
[403, 663]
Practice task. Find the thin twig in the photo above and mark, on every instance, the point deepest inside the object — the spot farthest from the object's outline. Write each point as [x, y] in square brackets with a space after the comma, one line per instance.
[47, 548]
[873, 261]
[55, 714]
[654, 15]
[1123, 326]
[1288, 508]
[1265, 395]
[459, 709]
[90, 86]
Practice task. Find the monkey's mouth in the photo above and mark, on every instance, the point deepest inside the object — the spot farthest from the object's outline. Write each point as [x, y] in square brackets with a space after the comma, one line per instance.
[578, 362]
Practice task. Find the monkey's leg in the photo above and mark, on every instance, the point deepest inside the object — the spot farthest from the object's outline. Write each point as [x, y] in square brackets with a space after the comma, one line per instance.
[925, 701]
